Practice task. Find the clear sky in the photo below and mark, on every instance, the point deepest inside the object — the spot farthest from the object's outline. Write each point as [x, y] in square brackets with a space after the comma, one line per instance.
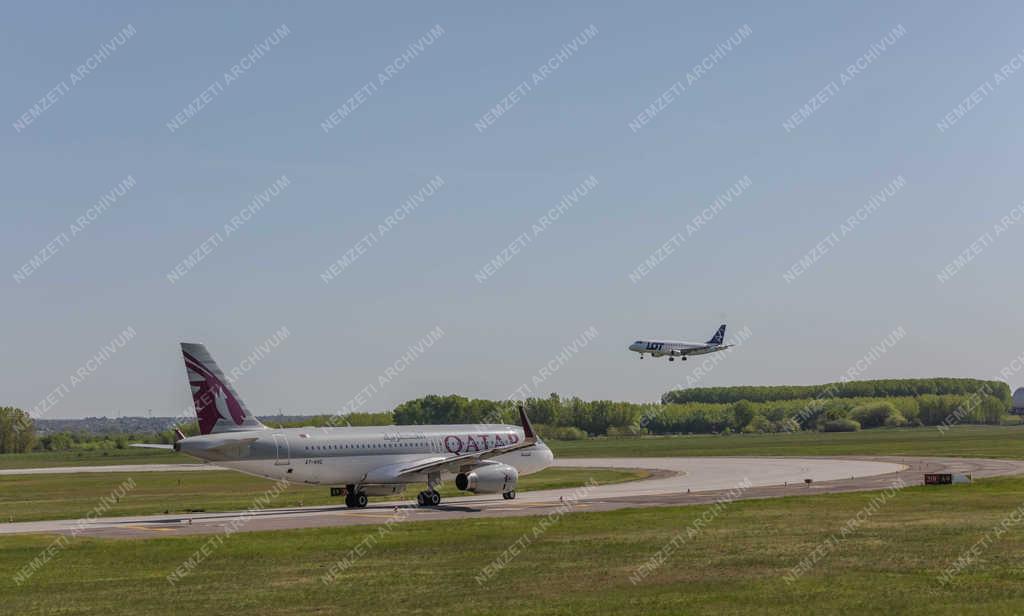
[125, 117]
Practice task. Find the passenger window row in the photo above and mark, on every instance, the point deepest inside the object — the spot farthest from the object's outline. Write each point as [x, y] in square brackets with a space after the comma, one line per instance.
[336, 447]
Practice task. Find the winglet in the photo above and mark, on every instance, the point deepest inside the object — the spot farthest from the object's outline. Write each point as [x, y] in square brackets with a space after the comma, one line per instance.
[527, 428]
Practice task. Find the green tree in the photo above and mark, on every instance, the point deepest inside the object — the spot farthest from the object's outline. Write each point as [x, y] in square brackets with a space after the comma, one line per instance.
[743, 413]
[876, 414]
[17, 431]
[60, 441]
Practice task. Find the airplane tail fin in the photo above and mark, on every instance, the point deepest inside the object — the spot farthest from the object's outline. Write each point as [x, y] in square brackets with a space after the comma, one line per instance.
[218, 407]
[719, 336]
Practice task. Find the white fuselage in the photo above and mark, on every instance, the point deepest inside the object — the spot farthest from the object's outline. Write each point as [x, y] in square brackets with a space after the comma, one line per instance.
[674, 348]
[359, 455]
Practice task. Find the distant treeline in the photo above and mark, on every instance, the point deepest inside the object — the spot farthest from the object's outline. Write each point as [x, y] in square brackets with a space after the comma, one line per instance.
[707, 410]
[882, 388]
[128, 425]
[596, 417]
[352, 419]
[826, 414]
[971, 401]
[715, 410]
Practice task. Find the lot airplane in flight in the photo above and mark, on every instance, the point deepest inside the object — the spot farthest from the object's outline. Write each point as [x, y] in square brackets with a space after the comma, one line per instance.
[674, 348]
[356, 462]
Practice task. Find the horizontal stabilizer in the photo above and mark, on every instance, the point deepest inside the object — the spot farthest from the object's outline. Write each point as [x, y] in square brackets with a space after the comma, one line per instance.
[231, 445]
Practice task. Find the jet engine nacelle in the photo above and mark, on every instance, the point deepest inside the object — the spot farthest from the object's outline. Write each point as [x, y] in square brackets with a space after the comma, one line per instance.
[490, 479]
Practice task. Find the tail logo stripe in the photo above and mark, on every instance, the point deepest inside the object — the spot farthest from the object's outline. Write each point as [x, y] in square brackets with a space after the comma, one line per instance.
[213, 400]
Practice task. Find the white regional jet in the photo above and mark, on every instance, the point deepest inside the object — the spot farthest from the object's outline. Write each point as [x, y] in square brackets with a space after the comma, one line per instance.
[674, 349]
[356, 462]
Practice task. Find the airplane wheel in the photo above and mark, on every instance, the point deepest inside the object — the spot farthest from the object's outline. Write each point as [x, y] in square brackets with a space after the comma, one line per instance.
[671, 358]
[435, 499]
[361, 500]
[684, 359]
[421, 500]
[510, 495]
[349, 500]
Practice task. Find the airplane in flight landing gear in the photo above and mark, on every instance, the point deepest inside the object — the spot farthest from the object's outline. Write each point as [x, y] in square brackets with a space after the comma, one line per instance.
[673, 348]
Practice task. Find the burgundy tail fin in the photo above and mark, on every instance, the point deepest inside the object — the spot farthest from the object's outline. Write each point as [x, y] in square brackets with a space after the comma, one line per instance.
[525, 421]
[218, 407]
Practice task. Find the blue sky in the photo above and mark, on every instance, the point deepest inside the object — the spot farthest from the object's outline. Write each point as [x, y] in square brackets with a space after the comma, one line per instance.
[573, 124]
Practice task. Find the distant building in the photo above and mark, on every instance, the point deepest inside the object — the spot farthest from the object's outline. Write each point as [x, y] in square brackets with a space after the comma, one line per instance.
[1018, 401]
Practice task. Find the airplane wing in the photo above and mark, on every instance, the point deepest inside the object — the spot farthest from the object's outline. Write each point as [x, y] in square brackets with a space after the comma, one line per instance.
[460, 462]
[452, 464]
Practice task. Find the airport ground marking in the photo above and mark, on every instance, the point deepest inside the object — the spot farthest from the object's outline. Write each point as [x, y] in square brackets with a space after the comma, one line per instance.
[152, 528]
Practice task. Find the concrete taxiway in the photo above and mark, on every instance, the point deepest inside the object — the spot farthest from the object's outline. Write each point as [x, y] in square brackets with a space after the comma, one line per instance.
[675, 481]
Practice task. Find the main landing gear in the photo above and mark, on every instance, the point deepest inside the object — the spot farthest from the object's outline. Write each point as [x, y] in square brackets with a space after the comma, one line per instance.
[355, 499]
[510, 495]
[428, 498]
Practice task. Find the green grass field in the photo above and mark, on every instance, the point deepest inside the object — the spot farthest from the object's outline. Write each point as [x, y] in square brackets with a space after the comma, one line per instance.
[965, 441]
[581, 565]
[71, 496]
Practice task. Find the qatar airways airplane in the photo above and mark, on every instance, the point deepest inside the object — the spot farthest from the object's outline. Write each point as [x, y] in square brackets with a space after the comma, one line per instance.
[356, 462]
[674, 349]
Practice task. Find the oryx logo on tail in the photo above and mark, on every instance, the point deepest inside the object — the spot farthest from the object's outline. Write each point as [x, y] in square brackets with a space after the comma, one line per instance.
[218, 407]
